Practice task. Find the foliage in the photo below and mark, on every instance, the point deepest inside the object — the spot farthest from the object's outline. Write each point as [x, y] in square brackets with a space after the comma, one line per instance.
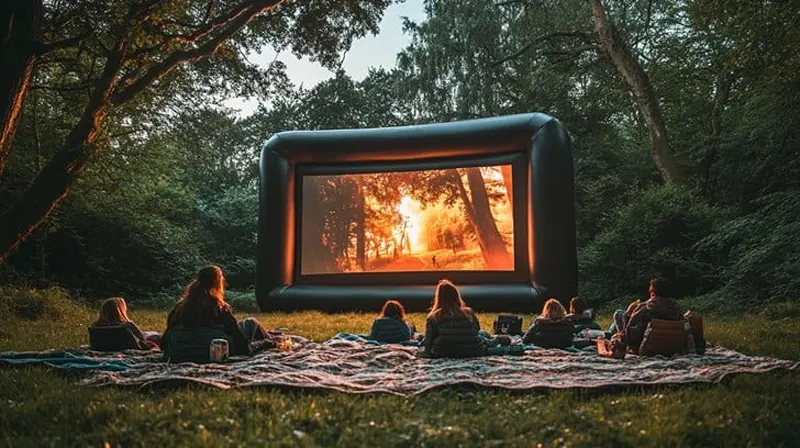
[654, 234]
[760, 251]
[51, 305]
[42, 407]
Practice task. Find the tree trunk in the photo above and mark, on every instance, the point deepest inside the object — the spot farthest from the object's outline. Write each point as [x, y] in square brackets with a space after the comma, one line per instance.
[505, 170]
[485, 223]
[479, 215]
[361, 254]
[54, 181]
[19, 26]
[638, 82]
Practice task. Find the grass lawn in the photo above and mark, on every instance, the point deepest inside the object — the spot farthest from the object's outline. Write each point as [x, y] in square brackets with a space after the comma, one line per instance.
[42, 408]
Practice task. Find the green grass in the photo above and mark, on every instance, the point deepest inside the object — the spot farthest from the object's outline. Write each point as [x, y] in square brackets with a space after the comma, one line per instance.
[39, 407]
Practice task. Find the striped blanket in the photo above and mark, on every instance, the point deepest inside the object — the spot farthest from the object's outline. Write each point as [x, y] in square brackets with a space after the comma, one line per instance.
[351, 364]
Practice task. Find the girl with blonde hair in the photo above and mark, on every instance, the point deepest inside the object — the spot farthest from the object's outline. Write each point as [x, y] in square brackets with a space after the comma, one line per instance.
[114, 313]
[551, 329]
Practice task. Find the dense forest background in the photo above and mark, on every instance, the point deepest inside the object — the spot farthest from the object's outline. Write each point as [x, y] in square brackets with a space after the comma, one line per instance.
[685, 119]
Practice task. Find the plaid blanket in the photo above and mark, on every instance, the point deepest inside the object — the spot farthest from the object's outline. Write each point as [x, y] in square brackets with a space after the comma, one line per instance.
[352, 364]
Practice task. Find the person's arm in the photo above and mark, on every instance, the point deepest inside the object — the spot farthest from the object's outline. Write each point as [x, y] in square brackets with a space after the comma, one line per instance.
[241, 346]
[528, 337]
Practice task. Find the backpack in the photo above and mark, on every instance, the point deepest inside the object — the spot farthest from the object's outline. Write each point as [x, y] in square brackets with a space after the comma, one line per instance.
[508, 324]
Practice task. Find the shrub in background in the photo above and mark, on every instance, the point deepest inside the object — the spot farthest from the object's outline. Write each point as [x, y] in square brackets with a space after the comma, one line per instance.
[654, 234]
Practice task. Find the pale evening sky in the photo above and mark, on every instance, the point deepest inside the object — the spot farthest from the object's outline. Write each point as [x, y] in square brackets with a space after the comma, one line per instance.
[371, 51]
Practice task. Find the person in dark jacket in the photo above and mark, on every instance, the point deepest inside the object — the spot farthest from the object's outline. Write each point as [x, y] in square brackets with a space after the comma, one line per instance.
[114, 313]
[451, 330]
[659, 306]
[581, 315]
[551, 329]
[391, 326]
[202, 315]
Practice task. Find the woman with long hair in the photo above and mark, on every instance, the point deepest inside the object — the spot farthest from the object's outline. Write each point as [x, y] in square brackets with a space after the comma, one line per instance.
[451, 330]
[114, 314]
[202, 315]
[551, 329]
[391, 325]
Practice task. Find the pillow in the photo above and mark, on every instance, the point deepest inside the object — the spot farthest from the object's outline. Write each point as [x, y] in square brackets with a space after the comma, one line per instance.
[663, 337]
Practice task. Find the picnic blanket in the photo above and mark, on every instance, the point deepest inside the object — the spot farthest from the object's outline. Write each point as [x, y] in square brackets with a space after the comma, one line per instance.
[352, 364]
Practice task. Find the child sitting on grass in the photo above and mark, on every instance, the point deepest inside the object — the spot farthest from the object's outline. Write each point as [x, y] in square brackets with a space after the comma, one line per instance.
[581, 315]
[551, 329]
[391, 325]
[114, 313]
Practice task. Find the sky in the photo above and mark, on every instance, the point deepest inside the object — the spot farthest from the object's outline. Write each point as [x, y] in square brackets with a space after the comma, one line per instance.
[371, 51]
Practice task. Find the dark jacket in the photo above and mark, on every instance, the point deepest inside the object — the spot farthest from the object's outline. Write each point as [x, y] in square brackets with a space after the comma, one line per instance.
[390, 329]
[663, 308]
[547, 333]
[454, 338]
[182, 344]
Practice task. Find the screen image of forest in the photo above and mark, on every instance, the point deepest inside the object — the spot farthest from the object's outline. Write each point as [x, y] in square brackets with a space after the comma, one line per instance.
[458, 219]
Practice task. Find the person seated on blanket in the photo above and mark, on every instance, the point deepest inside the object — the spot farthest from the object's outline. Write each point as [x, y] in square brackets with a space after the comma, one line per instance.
[581, 315]
[391, 326]
[635, 319]
[202, 315]
[114, 313]
[551, 329]
[451, 330]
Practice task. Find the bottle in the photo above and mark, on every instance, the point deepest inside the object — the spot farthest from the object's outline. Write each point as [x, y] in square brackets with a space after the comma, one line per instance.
[690, 344]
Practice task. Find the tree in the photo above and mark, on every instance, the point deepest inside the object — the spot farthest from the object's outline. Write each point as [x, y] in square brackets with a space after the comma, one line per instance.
[638, 82]
[144, 46]
[19, 25]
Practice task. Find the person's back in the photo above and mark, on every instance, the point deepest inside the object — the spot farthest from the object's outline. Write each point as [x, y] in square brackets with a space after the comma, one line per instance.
[581, 316]
[456, 337]
[551, 329]
[115, 331]
[391, 325]
[548, 333]
[200, 316]
[659, 306]
[452, 329]
[390, 330]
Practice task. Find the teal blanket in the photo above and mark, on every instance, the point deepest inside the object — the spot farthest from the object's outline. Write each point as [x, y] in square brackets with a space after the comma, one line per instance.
[63, 360]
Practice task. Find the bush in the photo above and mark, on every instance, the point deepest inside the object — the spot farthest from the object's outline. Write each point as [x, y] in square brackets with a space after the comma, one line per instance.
[655, 234]
[760, 252]
[33, 304]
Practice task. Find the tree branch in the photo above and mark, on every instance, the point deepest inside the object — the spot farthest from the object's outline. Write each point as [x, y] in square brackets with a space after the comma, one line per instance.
[522, 50]
[42, 49]
[238, 19]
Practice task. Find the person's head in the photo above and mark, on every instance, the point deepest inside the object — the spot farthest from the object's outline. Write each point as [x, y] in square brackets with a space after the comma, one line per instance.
[393, 309]
[113, 311]
[204, 294]
[553, 310]
[577, 306]
[659, 287]
[447, 301]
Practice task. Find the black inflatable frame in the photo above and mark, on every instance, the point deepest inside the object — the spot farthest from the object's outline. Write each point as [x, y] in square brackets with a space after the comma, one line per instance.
[536, 145]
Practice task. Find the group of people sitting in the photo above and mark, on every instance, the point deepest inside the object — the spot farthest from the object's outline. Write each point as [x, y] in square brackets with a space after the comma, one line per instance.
[452, 330]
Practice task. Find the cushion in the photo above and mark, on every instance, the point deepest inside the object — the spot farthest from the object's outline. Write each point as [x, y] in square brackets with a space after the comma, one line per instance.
[663, 337]
[114, 338]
